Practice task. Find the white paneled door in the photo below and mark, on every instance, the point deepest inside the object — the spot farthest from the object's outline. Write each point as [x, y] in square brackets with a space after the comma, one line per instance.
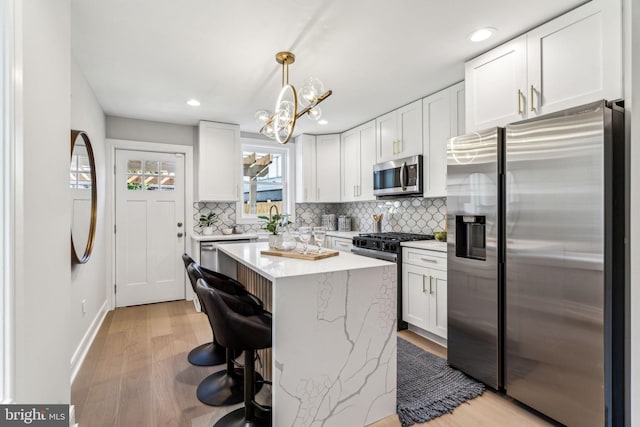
[150, 227]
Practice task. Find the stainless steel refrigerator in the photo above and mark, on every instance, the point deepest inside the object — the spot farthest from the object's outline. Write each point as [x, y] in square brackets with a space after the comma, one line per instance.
[536, 260]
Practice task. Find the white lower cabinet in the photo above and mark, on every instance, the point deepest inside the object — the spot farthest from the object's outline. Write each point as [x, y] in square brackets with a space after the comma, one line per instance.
[343, 244]
[424, 290]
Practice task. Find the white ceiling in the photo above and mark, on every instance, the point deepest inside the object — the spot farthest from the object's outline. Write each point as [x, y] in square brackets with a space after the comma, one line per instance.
[145, 58]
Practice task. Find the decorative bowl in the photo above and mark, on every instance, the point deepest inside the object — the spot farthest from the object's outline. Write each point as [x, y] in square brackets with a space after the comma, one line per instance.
[440, 236]
[227, 231]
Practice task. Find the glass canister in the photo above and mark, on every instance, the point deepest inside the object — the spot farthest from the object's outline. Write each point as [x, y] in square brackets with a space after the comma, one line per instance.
[344, 223]
[330, 221]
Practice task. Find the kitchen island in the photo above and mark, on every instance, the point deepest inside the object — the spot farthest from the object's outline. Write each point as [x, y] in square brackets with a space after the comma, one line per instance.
[334, 334]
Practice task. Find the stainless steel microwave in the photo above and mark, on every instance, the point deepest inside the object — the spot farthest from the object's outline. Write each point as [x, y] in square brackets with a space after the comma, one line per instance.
[397, 178]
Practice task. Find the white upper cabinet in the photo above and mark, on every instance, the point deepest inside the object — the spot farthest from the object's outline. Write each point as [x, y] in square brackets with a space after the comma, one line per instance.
[571, 60]
[399, 133]
[218, 162]
[443, 118]
[305, 168]
[494, 84]
[317, 168]
[576, 58]
[328, 168]
[358, 157]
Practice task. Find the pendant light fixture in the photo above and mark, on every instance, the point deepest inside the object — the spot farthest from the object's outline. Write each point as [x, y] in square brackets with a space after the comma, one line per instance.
[281, 124]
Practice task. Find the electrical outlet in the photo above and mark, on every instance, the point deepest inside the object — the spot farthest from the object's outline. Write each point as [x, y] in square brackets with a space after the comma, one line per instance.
[84, 306]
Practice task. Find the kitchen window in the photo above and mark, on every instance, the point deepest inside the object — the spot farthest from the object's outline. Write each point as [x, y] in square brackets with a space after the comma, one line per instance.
[266, 170]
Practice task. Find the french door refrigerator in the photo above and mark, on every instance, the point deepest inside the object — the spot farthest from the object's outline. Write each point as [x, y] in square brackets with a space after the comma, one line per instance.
[536, 262]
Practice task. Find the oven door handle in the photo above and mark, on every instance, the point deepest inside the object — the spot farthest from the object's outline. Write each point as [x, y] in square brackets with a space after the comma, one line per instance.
[402, 168]
[372, 253]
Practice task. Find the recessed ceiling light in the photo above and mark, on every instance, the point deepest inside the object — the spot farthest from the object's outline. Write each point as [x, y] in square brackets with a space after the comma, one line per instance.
[322, 122]
[481, 35]
[193, 102]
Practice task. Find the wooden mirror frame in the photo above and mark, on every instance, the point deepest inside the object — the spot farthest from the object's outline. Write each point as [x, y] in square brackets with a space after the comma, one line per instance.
[81, 255]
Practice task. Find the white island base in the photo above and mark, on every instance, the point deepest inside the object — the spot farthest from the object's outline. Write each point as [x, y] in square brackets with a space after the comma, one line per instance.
[334, 334]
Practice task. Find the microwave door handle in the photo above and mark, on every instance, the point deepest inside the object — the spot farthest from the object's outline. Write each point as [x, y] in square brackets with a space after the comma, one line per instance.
[402, 168]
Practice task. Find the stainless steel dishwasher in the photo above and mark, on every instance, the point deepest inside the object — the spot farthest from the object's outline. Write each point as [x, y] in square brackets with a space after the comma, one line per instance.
[209, 252]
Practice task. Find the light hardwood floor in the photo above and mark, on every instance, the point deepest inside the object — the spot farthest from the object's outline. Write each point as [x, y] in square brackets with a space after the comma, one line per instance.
[137, 374]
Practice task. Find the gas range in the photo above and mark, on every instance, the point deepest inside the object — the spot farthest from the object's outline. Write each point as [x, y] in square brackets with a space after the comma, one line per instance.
[387, 242]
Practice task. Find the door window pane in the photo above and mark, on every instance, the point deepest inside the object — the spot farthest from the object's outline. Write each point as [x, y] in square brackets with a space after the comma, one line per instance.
[151, 175]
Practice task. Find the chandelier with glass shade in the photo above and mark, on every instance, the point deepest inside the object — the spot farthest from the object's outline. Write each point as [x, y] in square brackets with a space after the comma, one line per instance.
[280, 124]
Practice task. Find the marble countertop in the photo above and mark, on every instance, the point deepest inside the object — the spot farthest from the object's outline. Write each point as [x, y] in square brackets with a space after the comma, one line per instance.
[343, 234]
[274, 267]
[218, 237]
[431, 245]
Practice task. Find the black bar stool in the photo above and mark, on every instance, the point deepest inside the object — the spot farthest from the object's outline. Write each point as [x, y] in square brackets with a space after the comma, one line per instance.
[224, 387]
[243, 328]
[211, 353]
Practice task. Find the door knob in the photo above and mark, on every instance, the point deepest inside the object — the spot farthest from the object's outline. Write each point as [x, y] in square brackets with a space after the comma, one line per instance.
[179, 224]
[180, 234]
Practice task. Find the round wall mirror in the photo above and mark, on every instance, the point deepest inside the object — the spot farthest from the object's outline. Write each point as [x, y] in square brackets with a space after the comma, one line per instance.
[84, 197]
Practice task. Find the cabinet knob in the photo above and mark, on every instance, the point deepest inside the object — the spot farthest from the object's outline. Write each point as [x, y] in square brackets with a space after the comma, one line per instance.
[179, 224]
[180, 234]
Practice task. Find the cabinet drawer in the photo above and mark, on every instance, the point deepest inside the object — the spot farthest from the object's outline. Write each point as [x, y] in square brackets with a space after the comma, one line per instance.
[342, 244]
[423, 258]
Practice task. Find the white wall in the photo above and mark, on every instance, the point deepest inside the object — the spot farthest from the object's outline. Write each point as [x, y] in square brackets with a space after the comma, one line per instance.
[42, 259]
[148, 131]
[88, 281]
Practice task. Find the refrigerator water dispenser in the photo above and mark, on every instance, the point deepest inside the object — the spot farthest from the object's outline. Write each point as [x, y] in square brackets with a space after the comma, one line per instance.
[471, 241]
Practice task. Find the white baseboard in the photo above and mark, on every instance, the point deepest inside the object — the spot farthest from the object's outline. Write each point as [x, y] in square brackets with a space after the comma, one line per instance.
[72, 416]
[87, 340]
[428, 335]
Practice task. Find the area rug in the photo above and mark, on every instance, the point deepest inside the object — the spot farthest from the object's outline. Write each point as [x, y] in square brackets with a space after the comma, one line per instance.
[428, 387]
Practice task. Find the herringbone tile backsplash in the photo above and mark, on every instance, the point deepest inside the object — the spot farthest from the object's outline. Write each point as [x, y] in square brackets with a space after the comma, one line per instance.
[413, 215]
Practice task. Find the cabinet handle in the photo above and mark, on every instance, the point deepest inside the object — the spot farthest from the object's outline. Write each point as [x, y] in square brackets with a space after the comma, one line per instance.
[424, 285]
[429, 260]
[519, 102]
[430, 284]
[399, 146]
[532, 92]
[317, 194]
[355, 192]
